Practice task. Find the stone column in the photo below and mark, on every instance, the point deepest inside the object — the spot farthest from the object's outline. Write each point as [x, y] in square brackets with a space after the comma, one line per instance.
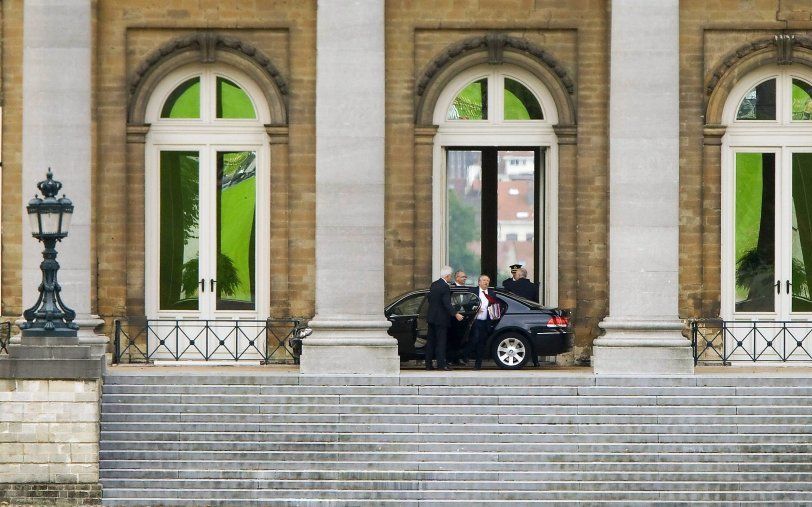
[349, 329]
[643, 332]
[57, 57]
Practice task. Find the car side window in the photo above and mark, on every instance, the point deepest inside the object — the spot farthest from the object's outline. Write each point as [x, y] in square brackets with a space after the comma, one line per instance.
[465, 302]
[409, 306]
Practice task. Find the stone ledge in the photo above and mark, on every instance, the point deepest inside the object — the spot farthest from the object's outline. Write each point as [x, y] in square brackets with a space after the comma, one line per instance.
[50, 494]
[69, 369]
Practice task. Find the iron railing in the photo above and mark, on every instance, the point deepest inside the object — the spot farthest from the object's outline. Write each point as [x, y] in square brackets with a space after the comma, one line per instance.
[717, 341]
[5, 336]
[266, 341]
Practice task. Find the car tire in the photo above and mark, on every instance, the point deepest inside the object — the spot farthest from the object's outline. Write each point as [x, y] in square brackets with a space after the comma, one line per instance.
[511, 351]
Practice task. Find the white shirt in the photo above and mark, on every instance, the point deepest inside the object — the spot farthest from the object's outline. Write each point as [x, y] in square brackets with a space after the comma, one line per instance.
[483, 306]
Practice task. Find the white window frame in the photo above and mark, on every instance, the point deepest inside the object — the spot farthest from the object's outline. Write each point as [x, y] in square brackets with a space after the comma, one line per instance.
[782, 136]
[207, 135]
[496, 131]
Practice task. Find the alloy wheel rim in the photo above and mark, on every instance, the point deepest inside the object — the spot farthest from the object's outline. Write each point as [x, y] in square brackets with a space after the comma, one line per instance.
[511, 351]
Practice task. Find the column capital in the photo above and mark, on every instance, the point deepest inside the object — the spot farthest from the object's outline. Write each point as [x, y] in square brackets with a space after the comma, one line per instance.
[137, 133]
[567, 134]
[712, 134]
[424, 134]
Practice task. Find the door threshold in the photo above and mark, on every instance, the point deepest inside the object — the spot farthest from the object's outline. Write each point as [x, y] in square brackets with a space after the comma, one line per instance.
[170, 362]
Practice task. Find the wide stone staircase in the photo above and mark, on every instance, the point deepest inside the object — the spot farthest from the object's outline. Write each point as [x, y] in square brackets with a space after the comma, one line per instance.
[255, 437]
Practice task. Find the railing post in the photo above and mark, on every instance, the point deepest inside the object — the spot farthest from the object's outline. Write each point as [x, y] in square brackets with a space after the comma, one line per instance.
[694, 346]
[117, 343]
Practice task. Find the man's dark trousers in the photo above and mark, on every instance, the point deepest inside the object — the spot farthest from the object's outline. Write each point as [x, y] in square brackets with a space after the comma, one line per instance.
[435, 344]
[476, 344]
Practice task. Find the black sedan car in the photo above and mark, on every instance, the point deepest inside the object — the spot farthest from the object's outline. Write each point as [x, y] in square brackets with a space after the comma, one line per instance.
[525, 328]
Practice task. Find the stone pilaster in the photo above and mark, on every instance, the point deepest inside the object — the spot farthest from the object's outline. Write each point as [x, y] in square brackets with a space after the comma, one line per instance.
[57, 40]
[349, 327]
[643, 332]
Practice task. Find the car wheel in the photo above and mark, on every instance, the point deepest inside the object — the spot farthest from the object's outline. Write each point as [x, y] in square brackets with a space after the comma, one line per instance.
[511, 351]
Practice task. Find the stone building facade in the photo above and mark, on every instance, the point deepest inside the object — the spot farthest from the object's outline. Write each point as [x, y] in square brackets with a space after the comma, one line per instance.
[631, 235]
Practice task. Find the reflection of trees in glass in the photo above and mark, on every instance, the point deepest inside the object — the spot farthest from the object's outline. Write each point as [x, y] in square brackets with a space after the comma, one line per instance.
[227, 279]
[801, 100]
[802, 210]
[755, 264]
[463, 229]
[179, 225]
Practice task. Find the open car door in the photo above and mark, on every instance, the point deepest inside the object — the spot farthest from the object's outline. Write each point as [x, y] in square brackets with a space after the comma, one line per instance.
[467, 303]
[403, 316]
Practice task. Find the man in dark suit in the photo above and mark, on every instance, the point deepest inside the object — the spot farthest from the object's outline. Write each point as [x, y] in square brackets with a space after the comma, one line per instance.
[523, 287]
[439, 318]
[481, 326]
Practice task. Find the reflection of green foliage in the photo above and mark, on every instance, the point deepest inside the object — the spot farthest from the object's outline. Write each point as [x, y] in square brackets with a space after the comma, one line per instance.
[184, 101]
[237, 214]
[462, 230]
[232, 102]
[472, 101]
[801, 100]
[179, 221]
[227, 279]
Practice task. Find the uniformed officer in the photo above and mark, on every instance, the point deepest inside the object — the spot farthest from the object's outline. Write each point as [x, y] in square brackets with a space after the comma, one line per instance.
[514, 269]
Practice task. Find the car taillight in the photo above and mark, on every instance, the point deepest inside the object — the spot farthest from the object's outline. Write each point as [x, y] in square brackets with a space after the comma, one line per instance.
[558, 321]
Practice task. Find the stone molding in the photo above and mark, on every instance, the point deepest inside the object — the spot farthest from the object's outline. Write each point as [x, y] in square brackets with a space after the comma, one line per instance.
[277, 134]
[781, 49]
[424, 134]
[137, 134]
[207, 47]
[495, 43]
[495, 48]
[566, 134]
[712, 134]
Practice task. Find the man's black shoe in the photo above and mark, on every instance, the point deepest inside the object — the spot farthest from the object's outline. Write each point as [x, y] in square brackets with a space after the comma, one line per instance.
[429, 367]
[477, 366]
[447, 368]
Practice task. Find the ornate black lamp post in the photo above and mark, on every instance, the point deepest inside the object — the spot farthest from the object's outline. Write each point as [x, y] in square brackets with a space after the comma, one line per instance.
[50, 217]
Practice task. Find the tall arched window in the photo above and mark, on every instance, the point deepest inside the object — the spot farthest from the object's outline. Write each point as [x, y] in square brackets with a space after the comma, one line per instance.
[207, 191]
[767, 197]
[495, 174]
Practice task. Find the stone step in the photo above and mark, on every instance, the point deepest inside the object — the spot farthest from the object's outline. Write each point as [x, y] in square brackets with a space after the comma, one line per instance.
[663, 484]
[201, 496]
[536, 422]
[647, 463]
[714, 402]
[574, 474]
[462, 441]
[459, 378]
[685, 453]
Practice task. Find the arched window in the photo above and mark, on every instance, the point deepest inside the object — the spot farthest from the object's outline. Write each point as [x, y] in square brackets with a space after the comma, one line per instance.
[207, 188]
[495, 176]
[767, 196]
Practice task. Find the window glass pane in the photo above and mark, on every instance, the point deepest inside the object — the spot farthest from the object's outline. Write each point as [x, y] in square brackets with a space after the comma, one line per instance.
[184, 101]
[755, 232]
[471, 103]
[520, 103]
[464, 215]
[801, 232]
[409, 306]
[236, 224]
[759, 103]
[516, 213]
[801, 100]
[179, 232]
[232, 101]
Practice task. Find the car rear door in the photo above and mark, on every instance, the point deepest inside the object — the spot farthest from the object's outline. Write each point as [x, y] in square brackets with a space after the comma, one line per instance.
[403, 316]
